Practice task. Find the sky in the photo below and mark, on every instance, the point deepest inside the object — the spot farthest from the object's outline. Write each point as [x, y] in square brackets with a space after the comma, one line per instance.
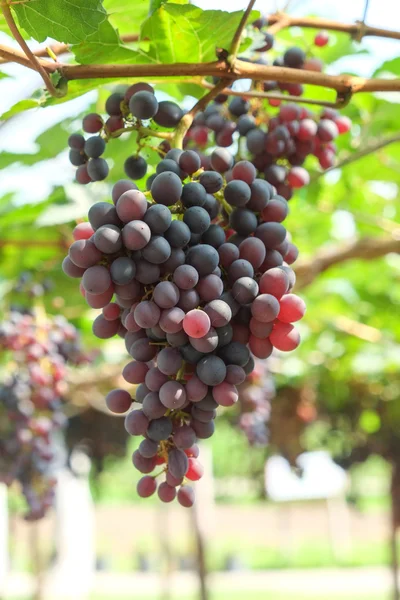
[20, 133]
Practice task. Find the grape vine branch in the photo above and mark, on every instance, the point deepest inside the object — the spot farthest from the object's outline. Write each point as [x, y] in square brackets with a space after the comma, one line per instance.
[344, 84]
[366, 248]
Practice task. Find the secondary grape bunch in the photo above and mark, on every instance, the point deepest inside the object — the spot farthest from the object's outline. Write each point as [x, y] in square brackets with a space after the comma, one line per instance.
[277, 146]
[125, 111]
[276, 142]
[194, 275]
[31, 416]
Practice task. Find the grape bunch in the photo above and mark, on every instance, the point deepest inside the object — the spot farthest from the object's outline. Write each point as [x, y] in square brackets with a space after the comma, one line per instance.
[194, 274]
[277, 146]
[125, 111]
[31, 417]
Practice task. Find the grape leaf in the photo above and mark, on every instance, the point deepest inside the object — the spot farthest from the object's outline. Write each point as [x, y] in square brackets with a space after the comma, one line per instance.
[156, 4]
[186, 33]
[105, 46]
[69, 21]
[127, 17]
[389, 66]
[20, 106]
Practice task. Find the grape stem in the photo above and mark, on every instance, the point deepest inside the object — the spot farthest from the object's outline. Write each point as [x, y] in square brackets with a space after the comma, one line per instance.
[143, 132]
[187, 119]
[36, 64]
[227, 207]
[340, 102]
[180, 374]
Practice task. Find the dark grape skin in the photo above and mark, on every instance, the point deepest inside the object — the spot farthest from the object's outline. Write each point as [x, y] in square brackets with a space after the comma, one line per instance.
[189, 161]
[255, 141]
[211, 370]
[137, 87]
[243, 221]
[178, 234]
[107, 239]
[143, 105]
[82, 175]
[178, 463]
[94, 146]
[211, 206]
[221, 160]
[212, 181]
[193, 194]
[135, 167]
[158, 217]
[113, 104]
[168, 115]
[239, 106]
[245, 123]
[166, 188]
[235, 353]
[173, 153]
[208, 403]
[190, 354]
[76, 158]
[160, 429]
[203, 258]
[272, 234]
[97, 169]
[245, 290]
[157, 250]
[237, 193]
[197, 219]
[92, 123]
[103, 213]
[122, 186]
[214, 236]
[76, 141]
[167, 164]
[294, 58]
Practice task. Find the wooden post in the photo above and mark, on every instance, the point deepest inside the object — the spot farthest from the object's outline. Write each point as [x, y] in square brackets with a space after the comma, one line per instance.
[394, 523]
[200, 554]
[4, 562]
[74, 571]
[167, 558]
[202, 518]
[36, 558]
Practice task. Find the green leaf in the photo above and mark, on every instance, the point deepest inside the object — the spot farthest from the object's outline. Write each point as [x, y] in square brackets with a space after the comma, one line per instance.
[19, 107]
[370, 421]
[389, 66]
[105, 46]
[127, 17]
[188, 34]
[70, 22]
[156, 4]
